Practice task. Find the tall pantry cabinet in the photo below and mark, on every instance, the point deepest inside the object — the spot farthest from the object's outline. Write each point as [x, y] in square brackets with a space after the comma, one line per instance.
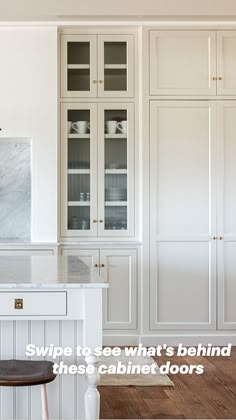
[192, 180]
[98, 147]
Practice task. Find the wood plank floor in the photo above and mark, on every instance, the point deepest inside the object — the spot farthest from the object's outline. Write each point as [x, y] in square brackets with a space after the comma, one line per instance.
[211, 395]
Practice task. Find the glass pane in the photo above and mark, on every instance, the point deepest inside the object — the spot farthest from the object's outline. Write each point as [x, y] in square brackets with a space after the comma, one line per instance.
[115, 66]
[116, 172]
[115, 53]
[78, 52]
[78, 66]
[78, 168]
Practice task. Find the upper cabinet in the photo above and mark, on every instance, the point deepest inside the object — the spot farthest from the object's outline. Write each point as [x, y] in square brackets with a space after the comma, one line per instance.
[192, 63]
[97, 66]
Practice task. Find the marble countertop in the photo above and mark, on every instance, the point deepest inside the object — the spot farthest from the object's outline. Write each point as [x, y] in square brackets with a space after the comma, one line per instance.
[39, 272]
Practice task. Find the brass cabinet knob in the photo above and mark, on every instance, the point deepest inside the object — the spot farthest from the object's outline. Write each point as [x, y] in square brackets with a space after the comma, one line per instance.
[220, 78]
[95, 221]
[19, 303]
[100, 221]
[214, 78]
[102, 265]
[100, 81]
[214, 237]
[96, 265]
[220, 238]
[95, 81]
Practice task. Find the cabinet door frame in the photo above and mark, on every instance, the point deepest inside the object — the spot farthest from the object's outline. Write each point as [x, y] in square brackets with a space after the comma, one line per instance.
[133, 288]
[65, 232]
[129, 39]
[92, 93]
[154, 239]
[210, 90]
[227, 238]
[130, 166]
[221, 90]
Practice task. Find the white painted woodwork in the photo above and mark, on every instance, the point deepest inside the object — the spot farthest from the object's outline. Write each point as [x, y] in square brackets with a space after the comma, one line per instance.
[182, 215]
[28, 109]
[128, 39]
[25, 402]
[120, 303]
[92, 40]
[226, 210]
[18, 252]
[89, 256]
[226, 62]
[34, 303]
[182, 62]
[130, 171]
[93, 169]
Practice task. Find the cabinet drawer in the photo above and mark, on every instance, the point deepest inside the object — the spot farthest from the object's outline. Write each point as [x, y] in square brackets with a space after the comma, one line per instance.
[33, 303]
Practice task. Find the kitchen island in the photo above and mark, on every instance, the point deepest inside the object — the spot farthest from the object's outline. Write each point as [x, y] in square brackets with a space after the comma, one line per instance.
[50, 300]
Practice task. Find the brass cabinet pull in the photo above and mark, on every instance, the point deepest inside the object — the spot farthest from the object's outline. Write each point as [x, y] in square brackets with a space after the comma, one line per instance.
[220, 238]
[220, 78]
[19, 303]
[95, 221]
[100, 81]
[95, 81]
[214, 237]
[214, 78]
[96, 265]
[102, 265]
[100, 221]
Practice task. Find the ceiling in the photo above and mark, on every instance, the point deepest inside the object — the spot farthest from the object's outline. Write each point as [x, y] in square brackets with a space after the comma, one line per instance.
[57, 10]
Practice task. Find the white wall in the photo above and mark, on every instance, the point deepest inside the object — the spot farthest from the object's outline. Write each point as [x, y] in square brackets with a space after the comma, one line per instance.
[46, 10]
[28, 108]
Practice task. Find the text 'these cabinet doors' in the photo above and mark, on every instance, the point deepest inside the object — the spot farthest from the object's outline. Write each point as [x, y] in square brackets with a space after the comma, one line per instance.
[97, 66]
[183, 215]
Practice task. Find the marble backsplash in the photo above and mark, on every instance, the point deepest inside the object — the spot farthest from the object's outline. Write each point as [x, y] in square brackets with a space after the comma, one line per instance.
[15, 189]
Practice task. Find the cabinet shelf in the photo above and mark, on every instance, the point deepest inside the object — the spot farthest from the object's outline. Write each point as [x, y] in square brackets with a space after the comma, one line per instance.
[78, 136]
[78, 66]
[115, 66]
[116, 203]
[78, 171]
[115, 136]
[116, 171]
[78, 203]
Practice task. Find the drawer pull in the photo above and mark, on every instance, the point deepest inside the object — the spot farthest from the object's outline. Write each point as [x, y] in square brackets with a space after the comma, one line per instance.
[19, 303]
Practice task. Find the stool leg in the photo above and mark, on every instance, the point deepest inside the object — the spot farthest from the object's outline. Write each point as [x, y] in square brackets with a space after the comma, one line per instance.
[44, 400]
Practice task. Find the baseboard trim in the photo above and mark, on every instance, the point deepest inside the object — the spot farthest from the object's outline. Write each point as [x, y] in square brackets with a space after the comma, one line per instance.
[220, 339]
[121, 340]
[189, 339]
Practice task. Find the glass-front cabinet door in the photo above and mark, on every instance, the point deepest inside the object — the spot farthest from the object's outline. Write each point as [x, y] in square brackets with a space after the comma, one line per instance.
[79, 170]
[79, 66]
[116, 170]
[115, 66]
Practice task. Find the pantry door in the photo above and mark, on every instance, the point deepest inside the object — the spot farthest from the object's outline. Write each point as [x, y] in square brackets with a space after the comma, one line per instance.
[183, 215]
[226, 211]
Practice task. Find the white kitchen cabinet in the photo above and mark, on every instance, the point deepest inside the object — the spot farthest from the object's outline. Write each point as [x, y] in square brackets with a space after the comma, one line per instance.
[182, 63]
[97, 176]
[226, 210]
[226, 63]
[182, 215]
[119, 268]
[30, 252]
[97, 65]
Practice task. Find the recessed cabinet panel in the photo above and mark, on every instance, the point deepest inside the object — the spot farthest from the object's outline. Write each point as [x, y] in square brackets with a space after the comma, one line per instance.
[226, 210]
[182, 148]
[182, 63]
[181, 293]
[226, 63]
[182, 215]
[120, 299]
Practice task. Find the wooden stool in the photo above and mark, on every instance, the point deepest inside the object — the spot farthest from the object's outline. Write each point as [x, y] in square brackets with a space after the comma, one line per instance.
[28, 373]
